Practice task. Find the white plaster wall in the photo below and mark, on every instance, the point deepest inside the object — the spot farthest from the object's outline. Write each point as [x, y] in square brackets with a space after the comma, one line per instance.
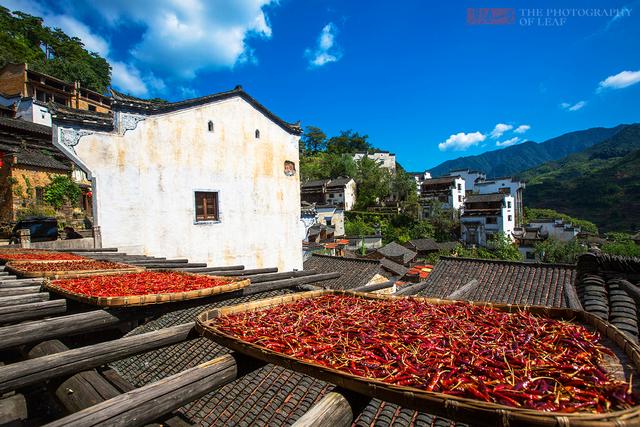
[457, 195]
[506, 225]
[350, 195]
[145, 183]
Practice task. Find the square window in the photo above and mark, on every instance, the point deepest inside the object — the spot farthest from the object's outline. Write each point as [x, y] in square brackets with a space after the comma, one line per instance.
[510, 218]
[206, 206]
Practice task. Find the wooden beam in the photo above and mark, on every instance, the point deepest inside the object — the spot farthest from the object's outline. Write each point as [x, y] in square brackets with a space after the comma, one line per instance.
[13, 410]
[80, 391]
[19, 283]
[148, 403]
[243, 272]
[28, 372]
[337, 408]
[23, 299]
[19, 290]
[259, 278]
[461, 292]
[571, 295]
[40, 330]
[412, 289]
[18, 313]
[163, 265]
[374, 287]
[333, 410]
[157, 261]
[207, 269]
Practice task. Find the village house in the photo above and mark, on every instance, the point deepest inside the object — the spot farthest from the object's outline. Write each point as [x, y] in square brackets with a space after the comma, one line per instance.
[339, 192]
[486, 215]
[28, 162]
[471, 177]
[420, 177]
[448, 191]
[529, 235]
[212, 178]
[29, 92]
[384, 159]
[505, 185]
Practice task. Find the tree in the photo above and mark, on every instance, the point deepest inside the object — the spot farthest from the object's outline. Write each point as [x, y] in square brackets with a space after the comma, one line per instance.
[553, 250]
[348, 142]
[24, 39]
[621, 244]
[61, 189]
[313, 141]
[372, 181]
[504, 248]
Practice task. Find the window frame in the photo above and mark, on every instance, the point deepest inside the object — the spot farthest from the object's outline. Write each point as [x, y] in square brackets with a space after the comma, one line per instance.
[206, 220]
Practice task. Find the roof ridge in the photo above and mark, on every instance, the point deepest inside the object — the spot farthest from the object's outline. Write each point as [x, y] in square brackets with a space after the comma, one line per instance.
[370, 261]
[503, 261]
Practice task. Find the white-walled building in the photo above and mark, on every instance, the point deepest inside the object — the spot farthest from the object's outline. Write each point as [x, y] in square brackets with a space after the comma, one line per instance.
[506, 185]
[486, 215]
[420, 177]
[448, 190]
[212, 179]
[339, 192]
[471, 177]
[385, 159]
[556, 229]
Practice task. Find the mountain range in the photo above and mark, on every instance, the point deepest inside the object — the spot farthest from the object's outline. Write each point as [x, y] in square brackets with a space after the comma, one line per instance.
[518, 158]
[600, 183]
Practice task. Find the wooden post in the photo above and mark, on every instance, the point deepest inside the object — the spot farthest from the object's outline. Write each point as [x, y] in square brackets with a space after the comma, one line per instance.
[13, 409]
[18, 313]
[46, 364]
[148, 403]
[82, 390]
[25, 238]
[97, 237]
[333, 410]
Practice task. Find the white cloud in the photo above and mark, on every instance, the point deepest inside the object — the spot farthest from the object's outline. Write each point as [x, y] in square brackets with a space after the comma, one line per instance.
[190, 35]
[327, 49]
[522, 129]
[461, 141]
[128, 79]
[620, 80]
[500, 129]
[508, 142]
[575, 107]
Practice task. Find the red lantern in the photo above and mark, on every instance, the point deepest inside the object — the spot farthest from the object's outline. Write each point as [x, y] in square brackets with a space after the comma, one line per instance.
[1, 159]
[89, 194]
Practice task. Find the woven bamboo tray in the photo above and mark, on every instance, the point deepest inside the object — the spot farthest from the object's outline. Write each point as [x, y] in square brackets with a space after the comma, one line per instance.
[150, 299]
[14, 268]
[461, 409]
[4, 260]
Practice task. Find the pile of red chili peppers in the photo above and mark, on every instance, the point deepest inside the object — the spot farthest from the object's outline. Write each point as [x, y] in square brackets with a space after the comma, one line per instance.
[515, 359]
[144, 283]
[37, 256]
[80, 265]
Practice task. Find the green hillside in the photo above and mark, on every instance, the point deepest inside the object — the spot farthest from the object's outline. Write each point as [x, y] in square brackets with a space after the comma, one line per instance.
[600, 184]
[25, 39]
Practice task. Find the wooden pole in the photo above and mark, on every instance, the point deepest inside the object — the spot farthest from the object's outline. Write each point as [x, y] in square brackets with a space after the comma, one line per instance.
[19, 290]
[333, 410]
[374, 287]
[18, 313]
[23, 299]
[243, 272]
[66, 362]
[207, 269]
[259, 278]
[80, 391]
[148, 403]
[412, 290]
[462, 291]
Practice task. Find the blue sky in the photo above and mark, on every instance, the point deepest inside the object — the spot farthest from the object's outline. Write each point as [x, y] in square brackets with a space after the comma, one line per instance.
[416, 76]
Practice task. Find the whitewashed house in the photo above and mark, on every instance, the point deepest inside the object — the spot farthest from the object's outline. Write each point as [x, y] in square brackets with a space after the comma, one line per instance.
[505, 185]
[486, 215]
[420, 177]
[449, 191]
[384, 159]
[339, 192]
[213, 179]
[471, 177]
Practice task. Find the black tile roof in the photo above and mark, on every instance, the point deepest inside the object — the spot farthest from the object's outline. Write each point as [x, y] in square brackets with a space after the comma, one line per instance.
[397, 251]
[423, 245]
[25, 126]
[270, 395]
[608, 286]
[41, 159]
[395, 268]
[479, 198]
[440, 180]
[339, 182]
[502, 281]
[354, 272]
